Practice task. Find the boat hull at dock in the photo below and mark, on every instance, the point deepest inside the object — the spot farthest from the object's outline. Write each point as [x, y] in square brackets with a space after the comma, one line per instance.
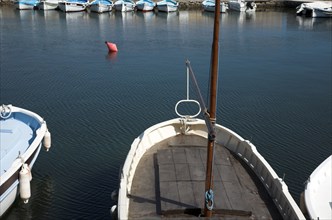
[101, 6]
[124, 5]
[22, 133]
[178, 134]
[72, 6]
[48, 5]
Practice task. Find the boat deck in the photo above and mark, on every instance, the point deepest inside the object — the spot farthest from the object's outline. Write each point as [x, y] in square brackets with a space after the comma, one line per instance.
[14, 139]
[170, 183]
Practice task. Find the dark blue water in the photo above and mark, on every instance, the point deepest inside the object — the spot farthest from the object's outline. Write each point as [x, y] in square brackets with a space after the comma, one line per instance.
[274, 89]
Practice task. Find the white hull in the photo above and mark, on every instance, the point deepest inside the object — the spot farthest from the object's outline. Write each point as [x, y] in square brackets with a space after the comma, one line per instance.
[211, 8]
[100, 8]
[173, 130]
[242, 6]
[144, 7]
[318, 13]
[8, 198]
[124, 7]
[48, 5]
[72, 6]
[167, 8]
[318, 192]
[15, 150]
[22, 6]
[315, 9]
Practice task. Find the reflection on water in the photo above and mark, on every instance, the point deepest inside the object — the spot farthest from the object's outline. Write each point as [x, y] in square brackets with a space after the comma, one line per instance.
[308, 23]
[111, 56]
[49, 14]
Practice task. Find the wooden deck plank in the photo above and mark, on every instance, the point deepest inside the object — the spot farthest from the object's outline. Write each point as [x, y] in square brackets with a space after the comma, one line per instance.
[170, 180]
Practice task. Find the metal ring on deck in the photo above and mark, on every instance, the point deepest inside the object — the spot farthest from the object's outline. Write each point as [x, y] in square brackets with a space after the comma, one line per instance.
[4, 113]
[188, 100]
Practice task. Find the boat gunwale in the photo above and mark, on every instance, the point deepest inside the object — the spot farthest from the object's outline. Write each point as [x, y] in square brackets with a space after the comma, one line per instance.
[40, 132]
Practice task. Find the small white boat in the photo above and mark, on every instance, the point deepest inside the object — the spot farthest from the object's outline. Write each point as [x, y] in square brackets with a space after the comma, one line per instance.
[145, 5]
[167, 5]
[242, 5]
[26, 4]
[317, 195]
[101, 6]
[21, 134]
[209, 5]
[72, 5]
[48, 4]
[124, 5]
[315, 9]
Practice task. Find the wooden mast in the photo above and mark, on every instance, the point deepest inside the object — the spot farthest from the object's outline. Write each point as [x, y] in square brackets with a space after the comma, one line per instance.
[212, 112]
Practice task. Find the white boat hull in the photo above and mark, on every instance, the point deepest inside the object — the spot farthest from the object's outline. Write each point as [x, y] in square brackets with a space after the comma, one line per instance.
[318, 13]
[315, 9]
[124, 7]
[8, 198]
[318, 192]
[144, 7]
[100, 8]
[167, 8]
[22, 6]
[72, 6]
[242, 6]
[211, 8]
[22, 133]
[48, 5]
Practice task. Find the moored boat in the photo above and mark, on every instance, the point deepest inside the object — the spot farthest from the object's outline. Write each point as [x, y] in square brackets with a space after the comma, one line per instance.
[167, 5]
[72, 5]
[242, 5]
[188, 167]
[317, 196]
[101, 6]
[48, 4]
[315, 9]
[21, 136]
[124, 5]
[209, 5]
[26, 4]
[145, 5]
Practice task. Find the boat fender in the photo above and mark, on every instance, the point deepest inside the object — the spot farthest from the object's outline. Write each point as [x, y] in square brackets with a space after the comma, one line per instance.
[47, 140]
[111, 47]
[114, 212]
[24, 183]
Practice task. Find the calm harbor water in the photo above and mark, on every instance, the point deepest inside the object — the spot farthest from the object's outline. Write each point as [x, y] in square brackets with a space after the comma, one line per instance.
[274, 89]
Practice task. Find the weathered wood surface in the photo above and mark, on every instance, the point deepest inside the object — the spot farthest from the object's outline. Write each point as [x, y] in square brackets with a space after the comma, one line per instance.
[169, 183]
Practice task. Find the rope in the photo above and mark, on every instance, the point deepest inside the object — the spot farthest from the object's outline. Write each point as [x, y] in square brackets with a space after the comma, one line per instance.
[209, 199]
[5, 113]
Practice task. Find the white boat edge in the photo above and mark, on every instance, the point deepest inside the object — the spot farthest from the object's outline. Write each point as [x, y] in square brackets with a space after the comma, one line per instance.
[316, 9]
[275, 186]
[10, 194]
[318, 191]
[70, 6]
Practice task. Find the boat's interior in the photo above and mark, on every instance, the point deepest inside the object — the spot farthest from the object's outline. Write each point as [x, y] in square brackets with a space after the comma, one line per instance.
[16, 138]
[170, 182]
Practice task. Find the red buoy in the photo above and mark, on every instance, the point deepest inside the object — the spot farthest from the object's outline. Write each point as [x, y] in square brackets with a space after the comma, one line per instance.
[111, 47]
